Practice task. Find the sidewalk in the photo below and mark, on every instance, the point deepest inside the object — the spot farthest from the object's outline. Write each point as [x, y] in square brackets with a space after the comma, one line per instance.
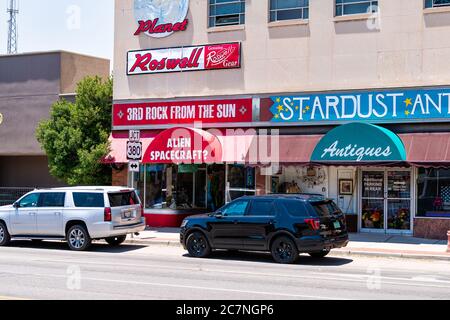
[367, 244]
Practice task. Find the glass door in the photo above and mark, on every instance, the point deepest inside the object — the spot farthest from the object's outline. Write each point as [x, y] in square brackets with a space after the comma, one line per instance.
[386, 201]
[372, 201]
[398, 200]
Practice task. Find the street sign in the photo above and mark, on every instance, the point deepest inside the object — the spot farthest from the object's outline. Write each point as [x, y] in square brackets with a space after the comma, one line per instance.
[134, 135]
[133, 166]
[134, 150]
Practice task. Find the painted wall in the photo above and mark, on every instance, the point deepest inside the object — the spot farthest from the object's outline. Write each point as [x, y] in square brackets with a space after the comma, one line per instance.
[408, 49]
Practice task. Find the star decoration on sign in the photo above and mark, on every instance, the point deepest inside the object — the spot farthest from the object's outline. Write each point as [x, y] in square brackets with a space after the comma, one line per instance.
[407, 113]
[278, 100]
[243, 110]
[120, 114]
[280, 108]
[408, 102]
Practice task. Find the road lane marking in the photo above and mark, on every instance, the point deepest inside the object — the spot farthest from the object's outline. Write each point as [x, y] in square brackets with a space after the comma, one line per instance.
[157, 284]
[362, 278]
[11, 298]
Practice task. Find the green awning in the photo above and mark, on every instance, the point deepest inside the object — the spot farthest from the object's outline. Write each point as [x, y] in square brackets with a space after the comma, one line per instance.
[359, 142]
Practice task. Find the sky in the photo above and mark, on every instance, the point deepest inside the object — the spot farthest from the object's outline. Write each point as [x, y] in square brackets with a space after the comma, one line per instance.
[82, 26]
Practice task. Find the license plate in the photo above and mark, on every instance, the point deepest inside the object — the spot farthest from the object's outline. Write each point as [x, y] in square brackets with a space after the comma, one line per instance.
[128, 214]
[337, 225]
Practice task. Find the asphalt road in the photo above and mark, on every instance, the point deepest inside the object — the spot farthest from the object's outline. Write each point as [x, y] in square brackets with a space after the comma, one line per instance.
[50, 271]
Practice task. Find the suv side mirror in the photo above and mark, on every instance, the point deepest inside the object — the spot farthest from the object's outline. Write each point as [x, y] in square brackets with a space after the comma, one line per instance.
[16, 205]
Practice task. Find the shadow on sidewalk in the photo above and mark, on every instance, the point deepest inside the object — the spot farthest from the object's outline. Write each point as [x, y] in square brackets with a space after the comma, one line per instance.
[264, 257]
[389, 238]
[97, 246]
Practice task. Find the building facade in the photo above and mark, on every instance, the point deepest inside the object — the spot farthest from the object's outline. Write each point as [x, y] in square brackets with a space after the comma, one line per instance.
[29, 84]
[348, 99]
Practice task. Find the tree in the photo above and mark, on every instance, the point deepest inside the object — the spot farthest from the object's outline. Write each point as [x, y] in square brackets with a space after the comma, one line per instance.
[75, 137]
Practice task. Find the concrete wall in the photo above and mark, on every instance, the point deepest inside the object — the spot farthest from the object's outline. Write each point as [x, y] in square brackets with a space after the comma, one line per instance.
[29, 84]
[26, 172]
[409, 49]
[74, 67]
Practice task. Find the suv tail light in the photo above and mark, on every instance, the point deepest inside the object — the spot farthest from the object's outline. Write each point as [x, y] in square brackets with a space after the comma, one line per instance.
[314, 224]
[108, 215]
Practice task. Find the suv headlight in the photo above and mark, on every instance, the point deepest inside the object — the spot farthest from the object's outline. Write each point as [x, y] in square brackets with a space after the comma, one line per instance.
[184, 223]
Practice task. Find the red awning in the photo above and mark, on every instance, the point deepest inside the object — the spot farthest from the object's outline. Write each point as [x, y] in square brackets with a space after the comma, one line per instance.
[423, 149]
[184, 145]
[427, 148]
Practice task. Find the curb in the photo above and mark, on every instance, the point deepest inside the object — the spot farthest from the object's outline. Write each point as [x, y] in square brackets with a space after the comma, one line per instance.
[172, 243]
[390, 255]
[169, 243]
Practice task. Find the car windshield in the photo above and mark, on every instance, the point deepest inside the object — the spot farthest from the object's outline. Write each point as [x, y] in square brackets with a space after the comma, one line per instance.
[326, 208]
[121, 199]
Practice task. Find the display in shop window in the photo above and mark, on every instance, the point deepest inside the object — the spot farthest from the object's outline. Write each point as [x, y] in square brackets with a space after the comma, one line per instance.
[433, 192]
[275, 184]
[372, 214]
[313, 176]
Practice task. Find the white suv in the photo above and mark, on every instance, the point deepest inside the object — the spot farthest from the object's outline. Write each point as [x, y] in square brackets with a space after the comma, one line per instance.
[77, 215]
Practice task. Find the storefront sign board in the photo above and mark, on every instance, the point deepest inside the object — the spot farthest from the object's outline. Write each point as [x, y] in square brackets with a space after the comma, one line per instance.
[159, 19]
[183, 59]
[359, 142]
[182, 112]
[374, 106]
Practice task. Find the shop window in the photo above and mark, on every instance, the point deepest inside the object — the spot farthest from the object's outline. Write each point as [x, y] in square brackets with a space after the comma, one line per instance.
[226, 12]
[348, 7]
[433, 192]
[241, 181]
[184, 187]
[288, 10]
[436, 3]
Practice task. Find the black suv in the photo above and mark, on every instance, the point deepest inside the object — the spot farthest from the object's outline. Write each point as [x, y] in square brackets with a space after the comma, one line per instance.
[285, 225]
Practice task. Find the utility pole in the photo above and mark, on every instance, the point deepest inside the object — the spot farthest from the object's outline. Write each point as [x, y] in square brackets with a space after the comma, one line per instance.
[12, 26]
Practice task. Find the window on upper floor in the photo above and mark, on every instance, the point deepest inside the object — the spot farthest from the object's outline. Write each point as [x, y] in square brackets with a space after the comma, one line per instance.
[348, 7]
[226, 12]
[288, 10]
[436, 3]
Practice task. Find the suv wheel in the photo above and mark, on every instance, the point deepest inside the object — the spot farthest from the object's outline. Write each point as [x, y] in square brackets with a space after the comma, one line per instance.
[116, 241]
[5, 238]
[284, 250]
[197, 245]
[319, 254]
[78, 238]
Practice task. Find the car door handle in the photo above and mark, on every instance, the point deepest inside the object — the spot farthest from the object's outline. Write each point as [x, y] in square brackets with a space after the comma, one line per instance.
[32, 213]
[57, 213]
[272, 222]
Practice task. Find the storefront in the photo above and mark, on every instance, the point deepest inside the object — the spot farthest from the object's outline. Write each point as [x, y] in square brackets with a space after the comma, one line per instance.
[382, 154]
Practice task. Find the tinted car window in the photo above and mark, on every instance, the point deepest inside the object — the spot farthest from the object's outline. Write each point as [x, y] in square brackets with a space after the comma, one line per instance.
[237, 208]
[326, 209]
[88, 200]
[121, 199]
[29, 201]
[295, 208]
[52, 199]
[262, 208]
